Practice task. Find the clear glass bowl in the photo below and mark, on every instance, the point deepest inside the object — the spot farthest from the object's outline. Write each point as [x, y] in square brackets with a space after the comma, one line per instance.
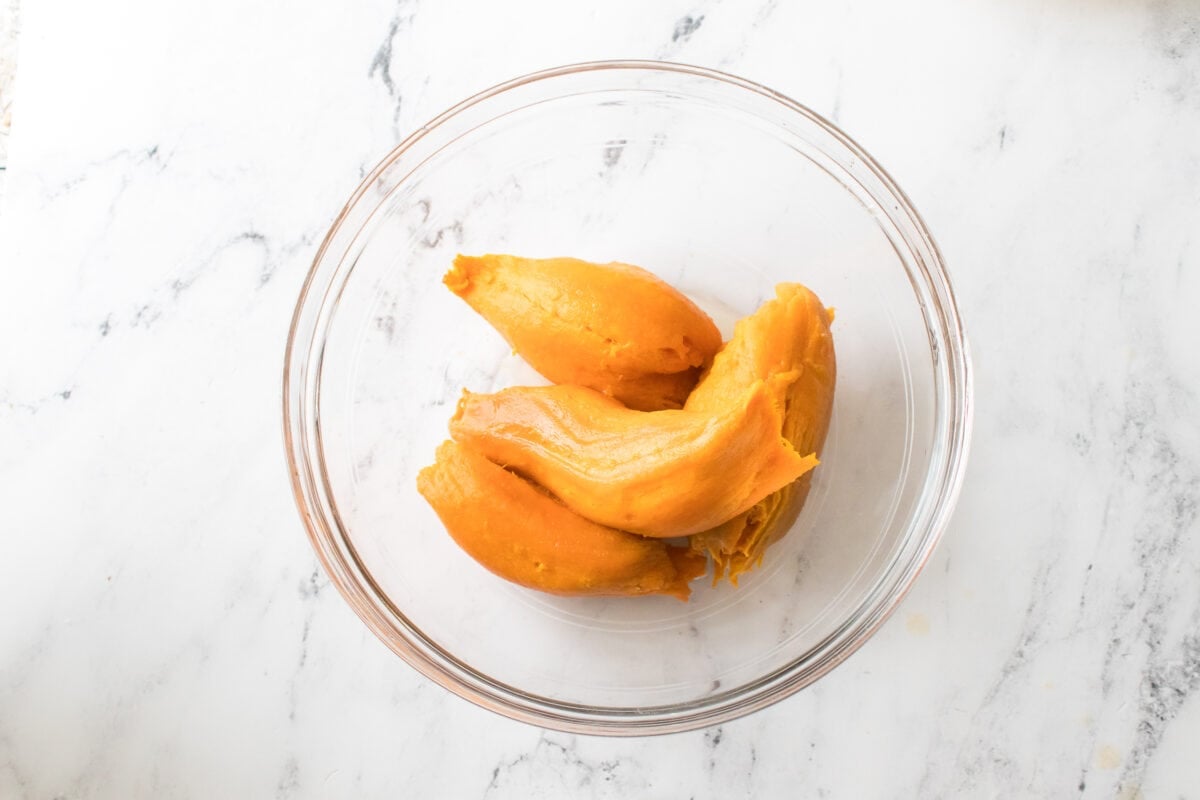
[722, 187]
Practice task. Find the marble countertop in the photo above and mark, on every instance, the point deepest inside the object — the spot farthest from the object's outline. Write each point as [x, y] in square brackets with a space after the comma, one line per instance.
[10, 25]
[167, 631]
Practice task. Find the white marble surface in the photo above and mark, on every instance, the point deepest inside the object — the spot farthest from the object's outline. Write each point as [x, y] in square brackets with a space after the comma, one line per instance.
[166, 630]
[10, 25]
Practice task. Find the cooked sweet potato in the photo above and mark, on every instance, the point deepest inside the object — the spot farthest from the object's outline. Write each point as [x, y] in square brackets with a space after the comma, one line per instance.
[662, 473]
[517, 531]
[788, 344]
[613, 327]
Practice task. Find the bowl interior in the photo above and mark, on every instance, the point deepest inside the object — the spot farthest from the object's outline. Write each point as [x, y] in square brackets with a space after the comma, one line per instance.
[721, 197]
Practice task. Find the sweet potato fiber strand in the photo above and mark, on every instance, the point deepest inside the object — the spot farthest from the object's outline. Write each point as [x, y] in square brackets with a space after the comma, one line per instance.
[788, 344]
[615, 328]
[523, 535]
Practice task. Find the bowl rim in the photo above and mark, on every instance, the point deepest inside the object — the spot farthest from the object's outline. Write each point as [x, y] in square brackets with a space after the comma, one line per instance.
[511, 702]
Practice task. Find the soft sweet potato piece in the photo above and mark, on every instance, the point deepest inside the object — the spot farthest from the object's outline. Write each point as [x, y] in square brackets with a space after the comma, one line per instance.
[517, 531]
[660, 473]
[615, 328]
[787, 343]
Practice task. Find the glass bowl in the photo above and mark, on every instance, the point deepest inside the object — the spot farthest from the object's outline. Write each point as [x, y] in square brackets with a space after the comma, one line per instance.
[723, 188]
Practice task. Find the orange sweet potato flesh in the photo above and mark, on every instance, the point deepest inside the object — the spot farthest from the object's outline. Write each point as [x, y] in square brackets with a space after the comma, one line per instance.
[788, 344]
[615, 328]
[660, 474]
[517, 531]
